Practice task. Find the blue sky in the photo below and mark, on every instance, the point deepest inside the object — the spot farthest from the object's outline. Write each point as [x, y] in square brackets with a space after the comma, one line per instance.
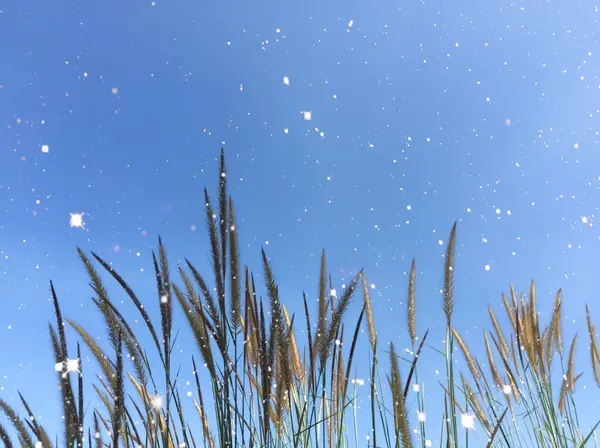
[430, 112]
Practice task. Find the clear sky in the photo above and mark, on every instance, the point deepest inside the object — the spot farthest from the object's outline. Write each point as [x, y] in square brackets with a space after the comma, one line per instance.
[422, 113]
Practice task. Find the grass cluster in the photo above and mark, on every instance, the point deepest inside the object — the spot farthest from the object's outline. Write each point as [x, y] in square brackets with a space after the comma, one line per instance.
[267, 388]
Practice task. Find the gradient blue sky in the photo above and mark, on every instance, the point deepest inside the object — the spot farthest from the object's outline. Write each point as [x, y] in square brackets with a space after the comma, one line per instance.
[431, 112]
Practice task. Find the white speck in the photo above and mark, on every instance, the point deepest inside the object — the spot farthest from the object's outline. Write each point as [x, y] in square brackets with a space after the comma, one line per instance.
[278, 31]
[498, 211]
[488, 99]
[164, 299]
[506, 389]
[584, 219]
[333, 293]
[428, 443]
[157, 402]
[307, 115]
[10, 327]
[39, 445]
[350, 23]
[372, 285]
[508, 212]
[416, 388]
[409, 207]
[286, 80]
[76, 220]
[115, 90]
[576, 146]
[507, 122]
[468, 210]
[328, 177]
[467, 421]
[487, 267]
[286, 131]
[45, 149]
[189, 394]
[334, 96]
[456, 44]
[70, 365]
[228, 44]
[267, 242]
[421, 416]
[484, 240]
[440, 242]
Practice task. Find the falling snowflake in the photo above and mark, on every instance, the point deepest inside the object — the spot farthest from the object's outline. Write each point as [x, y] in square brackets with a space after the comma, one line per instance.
[76, 220]
[350, 23]
[584, 219]
[416, 388]
[358, 381]
[115, 90]
[67, 366]
[157, 402]
[45, 149]
[333, 293]
[286, 80]
[487, 267]
[421, 416]
[307, 115]
[506, 389]
[467, 421]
